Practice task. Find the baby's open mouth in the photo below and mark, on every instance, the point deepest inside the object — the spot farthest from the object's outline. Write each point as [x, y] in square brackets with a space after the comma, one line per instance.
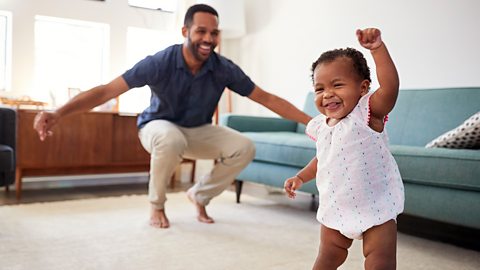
[332, 105]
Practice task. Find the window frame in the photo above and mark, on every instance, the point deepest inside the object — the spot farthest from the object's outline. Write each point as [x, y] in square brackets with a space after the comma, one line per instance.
[169, 6]
[8, 51]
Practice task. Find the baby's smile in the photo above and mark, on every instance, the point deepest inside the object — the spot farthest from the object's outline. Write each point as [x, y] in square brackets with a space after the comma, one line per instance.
[332, 105]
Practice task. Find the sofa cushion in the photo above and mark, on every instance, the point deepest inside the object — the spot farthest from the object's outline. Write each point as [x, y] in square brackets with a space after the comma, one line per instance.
[441, 167]
[449, 205]
[6, 158]
[287, 148]
[421, 115]
[467, 135]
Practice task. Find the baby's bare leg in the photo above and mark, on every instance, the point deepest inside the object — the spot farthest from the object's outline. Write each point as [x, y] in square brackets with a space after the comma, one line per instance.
[380, 246]
[333, 249]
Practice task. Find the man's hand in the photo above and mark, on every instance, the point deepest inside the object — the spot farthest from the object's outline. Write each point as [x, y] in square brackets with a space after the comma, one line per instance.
[369, 38]
[43, 123]
[291, 185]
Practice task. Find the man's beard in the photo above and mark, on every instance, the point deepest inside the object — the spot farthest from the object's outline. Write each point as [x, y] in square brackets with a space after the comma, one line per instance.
[193, 47]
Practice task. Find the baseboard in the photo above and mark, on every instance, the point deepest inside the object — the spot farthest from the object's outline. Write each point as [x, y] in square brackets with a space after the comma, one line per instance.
[439, 231]
[83, 180]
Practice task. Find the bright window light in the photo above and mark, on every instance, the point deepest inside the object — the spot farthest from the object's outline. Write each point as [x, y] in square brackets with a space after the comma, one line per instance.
[69, 55]
[5, 50]
[140, 43]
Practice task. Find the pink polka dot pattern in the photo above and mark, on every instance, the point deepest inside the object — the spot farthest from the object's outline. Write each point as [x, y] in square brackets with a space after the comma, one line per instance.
[358, 180]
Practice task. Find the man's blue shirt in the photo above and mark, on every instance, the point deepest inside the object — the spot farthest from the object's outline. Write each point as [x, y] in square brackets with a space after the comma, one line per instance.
[179, 96]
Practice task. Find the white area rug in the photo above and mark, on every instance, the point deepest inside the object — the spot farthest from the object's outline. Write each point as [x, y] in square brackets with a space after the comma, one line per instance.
[113, 233]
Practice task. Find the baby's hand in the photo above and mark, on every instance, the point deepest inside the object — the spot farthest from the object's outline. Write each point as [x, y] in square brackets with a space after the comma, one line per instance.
[369, 38]
[292, 184]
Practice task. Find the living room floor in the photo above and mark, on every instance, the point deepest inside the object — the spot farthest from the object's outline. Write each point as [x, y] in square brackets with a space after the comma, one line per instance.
[61, 190]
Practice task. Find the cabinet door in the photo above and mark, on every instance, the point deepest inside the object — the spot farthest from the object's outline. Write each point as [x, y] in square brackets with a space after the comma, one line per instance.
[78, 140]
[126, 144]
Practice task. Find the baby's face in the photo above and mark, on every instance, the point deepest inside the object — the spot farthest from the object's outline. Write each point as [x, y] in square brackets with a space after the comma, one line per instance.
[337, 88]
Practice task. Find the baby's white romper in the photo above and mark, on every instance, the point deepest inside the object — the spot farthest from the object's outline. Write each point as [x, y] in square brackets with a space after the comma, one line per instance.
[357, 177]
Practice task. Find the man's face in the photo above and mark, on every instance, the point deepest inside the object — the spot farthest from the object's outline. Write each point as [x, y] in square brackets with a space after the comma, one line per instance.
[202, 36]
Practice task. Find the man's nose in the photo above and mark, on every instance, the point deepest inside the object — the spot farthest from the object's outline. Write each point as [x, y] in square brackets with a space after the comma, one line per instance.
[208, 38]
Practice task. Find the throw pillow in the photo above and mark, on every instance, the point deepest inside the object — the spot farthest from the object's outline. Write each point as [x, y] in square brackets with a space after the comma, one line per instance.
[467, 135]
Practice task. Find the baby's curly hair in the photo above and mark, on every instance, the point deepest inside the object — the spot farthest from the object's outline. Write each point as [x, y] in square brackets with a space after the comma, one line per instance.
[359, 62]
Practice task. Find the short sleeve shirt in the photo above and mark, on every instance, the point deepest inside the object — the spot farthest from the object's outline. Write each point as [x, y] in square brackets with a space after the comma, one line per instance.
[179, 96]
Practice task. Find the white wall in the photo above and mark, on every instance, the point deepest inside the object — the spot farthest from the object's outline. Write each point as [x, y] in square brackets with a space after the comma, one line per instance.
[116, 13]
[434, 43]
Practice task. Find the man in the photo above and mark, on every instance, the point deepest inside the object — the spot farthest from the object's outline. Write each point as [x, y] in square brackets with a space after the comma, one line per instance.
[187, 81]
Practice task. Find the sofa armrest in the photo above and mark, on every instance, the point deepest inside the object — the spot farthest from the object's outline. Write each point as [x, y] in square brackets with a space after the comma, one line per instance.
[8, 127]
[8, 130]
[245, 123]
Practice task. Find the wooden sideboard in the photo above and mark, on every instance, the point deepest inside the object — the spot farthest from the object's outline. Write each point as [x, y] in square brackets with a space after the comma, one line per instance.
[88, 143]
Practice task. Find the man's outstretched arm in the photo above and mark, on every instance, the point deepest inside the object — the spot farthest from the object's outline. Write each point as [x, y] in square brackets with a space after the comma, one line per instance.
[85, 101]
[279, 105]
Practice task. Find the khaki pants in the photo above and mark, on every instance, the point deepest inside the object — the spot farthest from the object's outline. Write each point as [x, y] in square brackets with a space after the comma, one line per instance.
[168, 143]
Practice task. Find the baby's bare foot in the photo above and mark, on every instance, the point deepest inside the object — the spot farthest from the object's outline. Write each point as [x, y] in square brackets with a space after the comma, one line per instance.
[201, 210]
[158, 219]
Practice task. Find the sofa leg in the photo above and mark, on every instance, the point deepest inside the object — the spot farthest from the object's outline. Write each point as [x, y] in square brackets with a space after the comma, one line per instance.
[238, 189]
[314, 203]
[18, 183]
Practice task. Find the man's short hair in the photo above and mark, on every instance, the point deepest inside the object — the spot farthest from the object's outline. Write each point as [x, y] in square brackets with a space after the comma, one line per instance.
[197, 8]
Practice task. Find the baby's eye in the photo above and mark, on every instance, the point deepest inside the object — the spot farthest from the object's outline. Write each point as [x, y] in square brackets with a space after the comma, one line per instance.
[338, 85]
[318, 90]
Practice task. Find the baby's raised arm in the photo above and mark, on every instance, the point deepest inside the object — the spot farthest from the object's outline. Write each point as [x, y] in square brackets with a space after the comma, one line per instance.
[383, 100]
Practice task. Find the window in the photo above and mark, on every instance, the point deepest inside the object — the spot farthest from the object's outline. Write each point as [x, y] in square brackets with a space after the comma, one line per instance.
[163, 5]
[140, 43]
[69, 55]
[5, 50]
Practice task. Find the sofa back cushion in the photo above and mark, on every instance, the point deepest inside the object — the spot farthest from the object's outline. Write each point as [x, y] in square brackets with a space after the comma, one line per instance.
[421, 115]
[309, 108]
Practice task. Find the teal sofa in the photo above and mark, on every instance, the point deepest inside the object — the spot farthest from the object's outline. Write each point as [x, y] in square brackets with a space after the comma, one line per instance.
[440, 184]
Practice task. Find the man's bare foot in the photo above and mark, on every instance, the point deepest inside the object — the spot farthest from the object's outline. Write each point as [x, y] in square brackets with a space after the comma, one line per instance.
[158, 219]
[201, 210]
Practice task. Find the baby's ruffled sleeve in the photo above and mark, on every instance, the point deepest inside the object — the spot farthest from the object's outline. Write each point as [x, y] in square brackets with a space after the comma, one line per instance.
[364, 105]
[313, 126]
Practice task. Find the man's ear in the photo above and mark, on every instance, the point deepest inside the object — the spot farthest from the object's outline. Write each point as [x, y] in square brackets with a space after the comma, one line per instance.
[184, 31]
[364, 86]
